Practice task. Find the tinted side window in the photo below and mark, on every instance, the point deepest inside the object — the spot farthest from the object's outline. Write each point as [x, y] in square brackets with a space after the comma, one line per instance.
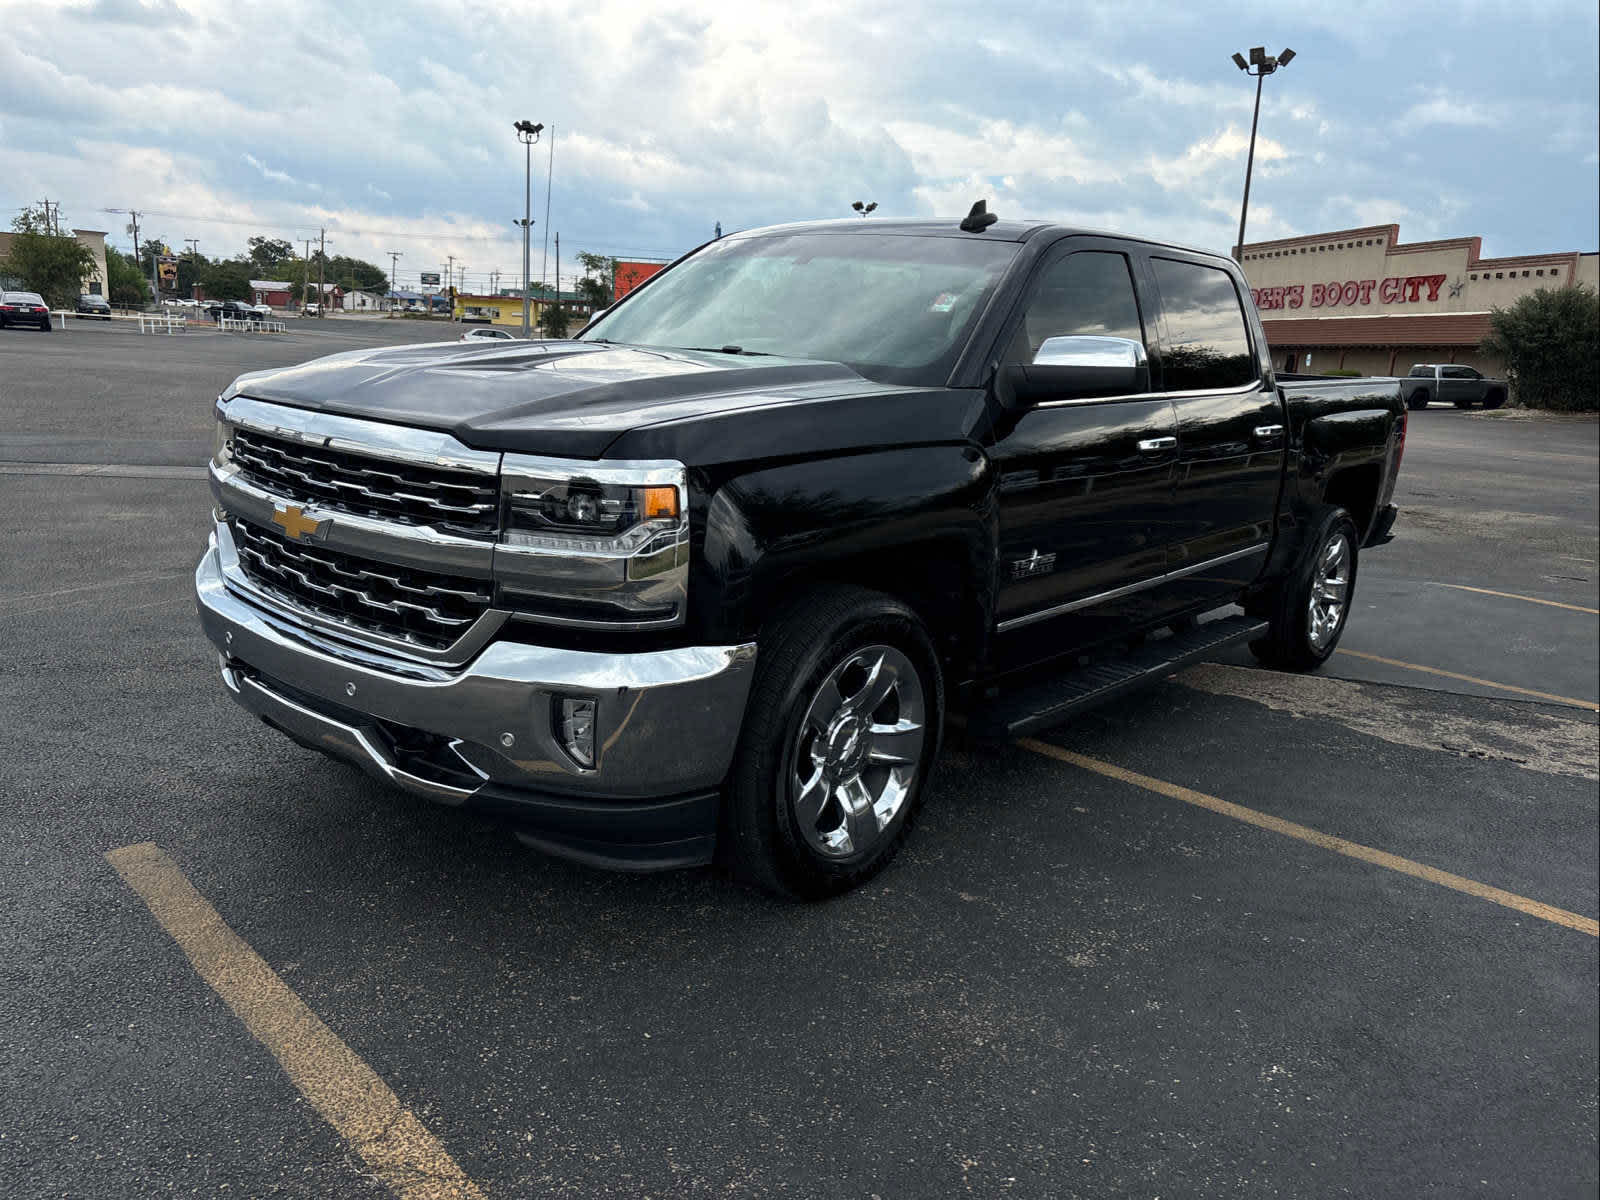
[1459, 373]
[1090, 292]
[1421, 372]
[1209, 347]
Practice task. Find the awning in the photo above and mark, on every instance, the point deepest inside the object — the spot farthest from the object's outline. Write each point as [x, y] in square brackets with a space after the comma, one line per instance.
[1437, 329]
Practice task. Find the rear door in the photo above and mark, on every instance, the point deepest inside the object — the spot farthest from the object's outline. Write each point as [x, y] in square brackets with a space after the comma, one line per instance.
[1231, 431]
[1460, 385]
[1085, 493]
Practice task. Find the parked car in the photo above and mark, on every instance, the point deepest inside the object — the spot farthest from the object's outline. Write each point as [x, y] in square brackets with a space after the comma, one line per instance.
[1460, 385]
[24, 308]
[485, 334]
[90, 305]
[264, 309]
[234, 310]
[312, 309]
[706, 581]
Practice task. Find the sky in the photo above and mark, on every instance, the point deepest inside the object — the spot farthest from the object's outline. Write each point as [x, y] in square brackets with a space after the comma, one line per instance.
[390, 124]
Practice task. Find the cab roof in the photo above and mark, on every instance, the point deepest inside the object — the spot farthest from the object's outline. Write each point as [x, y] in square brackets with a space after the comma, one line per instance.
[1000, 231]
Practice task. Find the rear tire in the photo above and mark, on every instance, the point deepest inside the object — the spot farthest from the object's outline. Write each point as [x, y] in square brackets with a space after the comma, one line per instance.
[1309, 614]
[1494, 399]
[824, 789]
[1419, 400]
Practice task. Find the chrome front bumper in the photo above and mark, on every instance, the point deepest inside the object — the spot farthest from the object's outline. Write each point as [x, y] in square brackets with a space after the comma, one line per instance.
[488, 733]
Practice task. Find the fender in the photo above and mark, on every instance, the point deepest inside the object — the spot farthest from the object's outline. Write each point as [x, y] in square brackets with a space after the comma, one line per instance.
[917, 522]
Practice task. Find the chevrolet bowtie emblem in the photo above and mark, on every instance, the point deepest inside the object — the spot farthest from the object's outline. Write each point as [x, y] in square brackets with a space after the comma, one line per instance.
[297, 526]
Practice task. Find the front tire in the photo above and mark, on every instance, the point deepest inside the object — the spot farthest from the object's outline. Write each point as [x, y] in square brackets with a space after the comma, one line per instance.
[1312, 608]
[840, 735]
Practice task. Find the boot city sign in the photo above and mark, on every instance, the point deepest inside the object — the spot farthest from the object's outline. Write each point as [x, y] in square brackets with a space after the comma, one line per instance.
[1407, 289]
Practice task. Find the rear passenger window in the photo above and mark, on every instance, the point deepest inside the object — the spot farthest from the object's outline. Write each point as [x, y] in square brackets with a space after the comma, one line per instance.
[1088, 293]
[1208, 346]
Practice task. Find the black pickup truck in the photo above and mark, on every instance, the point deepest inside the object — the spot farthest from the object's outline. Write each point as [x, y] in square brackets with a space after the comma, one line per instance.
[706, 581]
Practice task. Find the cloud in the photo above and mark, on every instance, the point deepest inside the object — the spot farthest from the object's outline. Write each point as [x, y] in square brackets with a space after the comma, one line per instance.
[391, 125]
[275, 176]
[1445, 108]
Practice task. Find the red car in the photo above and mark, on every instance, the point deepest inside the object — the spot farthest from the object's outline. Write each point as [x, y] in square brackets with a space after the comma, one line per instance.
[24, 308]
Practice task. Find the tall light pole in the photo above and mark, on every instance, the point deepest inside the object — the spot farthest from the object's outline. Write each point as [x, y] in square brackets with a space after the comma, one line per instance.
[1264, 65]
[527, 134]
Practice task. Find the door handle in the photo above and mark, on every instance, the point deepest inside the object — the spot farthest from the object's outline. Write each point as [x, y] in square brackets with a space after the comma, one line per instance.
[1268, 432]
[1157, 445]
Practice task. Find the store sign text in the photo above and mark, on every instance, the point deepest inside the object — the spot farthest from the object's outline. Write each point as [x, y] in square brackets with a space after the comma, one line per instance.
[1410, 289]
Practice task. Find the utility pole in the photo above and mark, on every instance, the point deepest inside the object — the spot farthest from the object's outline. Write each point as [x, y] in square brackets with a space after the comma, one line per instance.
[450, 284]
[322, 259]
[558, 272]
[394, 257]
[194, 246]
[305, 276]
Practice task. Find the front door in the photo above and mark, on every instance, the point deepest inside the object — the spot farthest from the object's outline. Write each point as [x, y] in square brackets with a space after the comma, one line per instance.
[1231, 433]
[1085, 491]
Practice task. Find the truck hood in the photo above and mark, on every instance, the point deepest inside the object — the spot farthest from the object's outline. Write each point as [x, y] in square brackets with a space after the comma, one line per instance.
[561, 398]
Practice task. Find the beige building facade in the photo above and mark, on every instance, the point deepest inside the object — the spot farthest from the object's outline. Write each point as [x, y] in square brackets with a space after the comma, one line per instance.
[1363, 300]
[92, 240]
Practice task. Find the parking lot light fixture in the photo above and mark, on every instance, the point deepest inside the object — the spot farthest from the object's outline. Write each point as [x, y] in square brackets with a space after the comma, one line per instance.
[527, 134]
[1264, 64]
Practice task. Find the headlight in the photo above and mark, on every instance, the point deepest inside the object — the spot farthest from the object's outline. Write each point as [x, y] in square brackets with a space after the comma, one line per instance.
[589, 514]
[595, 545]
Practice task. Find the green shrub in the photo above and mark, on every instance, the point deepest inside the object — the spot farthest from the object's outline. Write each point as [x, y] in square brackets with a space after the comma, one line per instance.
[1550, 342]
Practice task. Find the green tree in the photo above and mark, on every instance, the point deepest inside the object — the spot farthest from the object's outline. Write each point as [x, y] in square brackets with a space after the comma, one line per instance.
[130, 288]
[354, 273]
[1550, 342]
[55, 267]
[555, 320]
[598, 280]
[227, 280]
[268, 255]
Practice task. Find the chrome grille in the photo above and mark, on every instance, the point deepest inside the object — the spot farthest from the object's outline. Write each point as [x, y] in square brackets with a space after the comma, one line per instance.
[426, 609]
[460, 502]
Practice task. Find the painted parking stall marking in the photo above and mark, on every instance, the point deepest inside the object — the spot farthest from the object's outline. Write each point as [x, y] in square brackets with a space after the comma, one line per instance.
[351, 1097]
[1461, 587]
[1304, 833]
[1488, 683]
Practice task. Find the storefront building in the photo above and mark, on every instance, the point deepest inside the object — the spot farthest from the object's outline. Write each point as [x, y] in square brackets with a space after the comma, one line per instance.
[1362, 300]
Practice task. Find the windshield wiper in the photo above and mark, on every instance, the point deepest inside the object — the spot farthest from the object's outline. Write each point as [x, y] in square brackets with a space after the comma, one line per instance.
[730, 349]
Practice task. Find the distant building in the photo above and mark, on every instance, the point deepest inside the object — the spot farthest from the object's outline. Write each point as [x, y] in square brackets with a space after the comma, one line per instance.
[360, 301]
[505, 309]
[275, 292]
[96, 281]
[630, 275]
[1360, 299]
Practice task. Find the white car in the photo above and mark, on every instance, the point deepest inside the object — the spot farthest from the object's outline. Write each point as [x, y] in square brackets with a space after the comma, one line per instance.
[485, 333]
[264, 309]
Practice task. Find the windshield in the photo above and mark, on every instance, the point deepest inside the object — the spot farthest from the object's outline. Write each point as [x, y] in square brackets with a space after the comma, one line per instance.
[894, 307]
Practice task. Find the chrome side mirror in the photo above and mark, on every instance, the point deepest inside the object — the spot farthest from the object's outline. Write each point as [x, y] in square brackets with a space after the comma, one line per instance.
[1090, 351]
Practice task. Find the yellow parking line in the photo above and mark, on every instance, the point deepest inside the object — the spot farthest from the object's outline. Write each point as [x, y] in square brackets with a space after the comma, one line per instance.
[1489, 683]
[348, 1093]
[1461, 587]
[1305, 833]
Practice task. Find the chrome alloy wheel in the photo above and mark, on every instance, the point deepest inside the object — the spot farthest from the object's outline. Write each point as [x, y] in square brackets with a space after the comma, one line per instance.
[858, 751]
[1330, 588]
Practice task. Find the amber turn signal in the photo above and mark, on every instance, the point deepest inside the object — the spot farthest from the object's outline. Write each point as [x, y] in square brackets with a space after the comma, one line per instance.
[660, 502]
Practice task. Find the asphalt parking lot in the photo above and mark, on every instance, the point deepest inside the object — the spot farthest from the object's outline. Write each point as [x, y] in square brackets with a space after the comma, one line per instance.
[1241, 934]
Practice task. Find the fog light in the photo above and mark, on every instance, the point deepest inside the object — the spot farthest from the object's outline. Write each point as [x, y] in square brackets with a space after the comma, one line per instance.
[577, 730]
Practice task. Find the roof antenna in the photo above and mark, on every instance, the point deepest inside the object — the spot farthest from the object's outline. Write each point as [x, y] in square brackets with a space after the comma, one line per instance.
[979, 219]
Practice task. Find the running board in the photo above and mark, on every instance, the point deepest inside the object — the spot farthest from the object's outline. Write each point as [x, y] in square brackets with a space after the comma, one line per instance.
[1051, 701]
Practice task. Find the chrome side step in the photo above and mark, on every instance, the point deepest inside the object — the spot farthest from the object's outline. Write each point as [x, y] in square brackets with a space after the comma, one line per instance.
[1051, 701]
